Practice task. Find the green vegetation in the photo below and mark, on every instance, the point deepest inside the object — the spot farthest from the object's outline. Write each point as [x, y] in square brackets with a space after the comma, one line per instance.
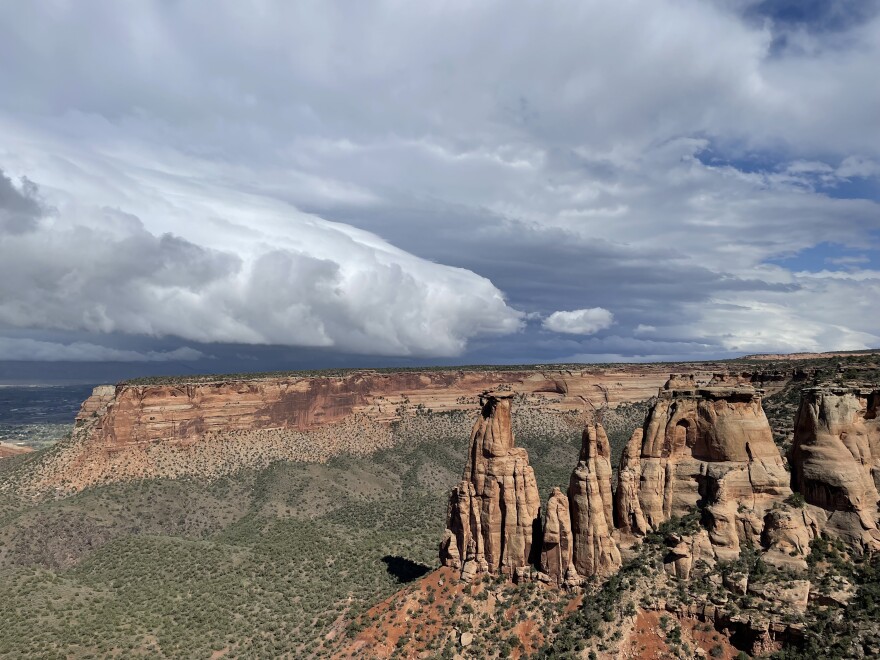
[260, 563]
[837, 630]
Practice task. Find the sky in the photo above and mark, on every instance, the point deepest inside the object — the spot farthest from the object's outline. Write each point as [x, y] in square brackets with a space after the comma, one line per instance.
[256, 185]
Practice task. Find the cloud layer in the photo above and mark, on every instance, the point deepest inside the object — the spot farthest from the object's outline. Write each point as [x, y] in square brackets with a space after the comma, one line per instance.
[403, 179]
[312, 283]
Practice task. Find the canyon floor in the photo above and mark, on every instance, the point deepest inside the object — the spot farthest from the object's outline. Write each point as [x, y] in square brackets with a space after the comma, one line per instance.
[291, 558]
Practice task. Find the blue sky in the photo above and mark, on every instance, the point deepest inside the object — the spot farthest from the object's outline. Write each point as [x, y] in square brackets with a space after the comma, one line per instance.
[297, 185]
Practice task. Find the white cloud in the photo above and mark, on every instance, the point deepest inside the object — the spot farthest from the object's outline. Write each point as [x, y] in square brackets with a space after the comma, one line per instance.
[857, 166]
[262, 273]
[580, 321]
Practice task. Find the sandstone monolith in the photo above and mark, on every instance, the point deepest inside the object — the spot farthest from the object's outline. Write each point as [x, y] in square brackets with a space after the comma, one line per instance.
[707, 447]
[495, 509]
[590, 499]
[556, 548]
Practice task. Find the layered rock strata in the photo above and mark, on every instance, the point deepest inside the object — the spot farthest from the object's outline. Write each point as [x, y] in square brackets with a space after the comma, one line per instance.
[708, 447]
[836, 460]
[134, 414]
[494, 511]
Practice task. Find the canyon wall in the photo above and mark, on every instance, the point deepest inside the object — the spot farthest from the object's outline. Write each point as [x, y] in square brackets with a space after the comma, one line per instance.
[130, 414]
[179, 412]
[207, 428]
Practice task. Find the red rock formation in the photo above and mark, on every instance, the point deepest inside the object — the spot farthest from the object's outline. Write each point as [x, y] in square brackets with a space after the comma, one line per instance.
[96, 404]
[590, 501]
[836, 460]
[628, 515]
[493, 511]
[556, 548]
[175, 412]
[709, 446]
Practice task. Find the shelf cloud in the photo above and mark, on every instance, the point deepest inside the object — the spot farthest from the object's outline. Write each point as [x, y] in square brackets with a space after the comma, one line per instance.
[456, 182]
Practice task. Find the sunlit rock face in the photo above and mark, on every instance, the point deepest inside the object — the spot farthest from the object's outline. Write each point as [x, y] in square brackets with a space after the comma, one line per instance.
[494, 511]
[707, 447]
[595, 551]
[836, 460]
[557, 542]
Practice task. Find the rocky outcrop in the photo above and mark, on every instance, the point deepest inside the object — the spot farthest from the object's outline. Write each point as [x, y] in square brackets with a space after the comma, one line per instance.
[787, 534]
[102, 396]
[595, 551]
[685, 551]
[709, 447]
[556, 547]
[836, 460]
[494, 511]
[628, 516]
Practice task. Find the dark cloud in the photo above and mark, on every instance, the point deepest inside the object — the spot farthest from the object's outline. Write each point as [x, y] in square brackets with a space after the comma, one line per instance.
[20, 207]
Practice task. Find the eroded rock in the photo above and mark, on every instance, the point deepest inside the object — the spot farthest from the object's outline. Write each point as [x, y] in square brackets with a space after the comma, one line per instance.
[708, 447]
[590, 499]
[836, 460]
[556, 549]
[493, 511]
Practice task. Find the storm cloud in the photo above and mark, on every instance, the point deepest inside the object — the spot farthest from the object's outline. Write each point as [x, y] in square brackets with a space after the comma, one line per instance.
[399, 179]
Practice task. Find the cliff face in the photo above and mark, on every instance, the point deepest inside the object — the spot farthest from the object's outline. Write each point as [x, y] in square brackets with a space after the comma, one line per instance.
[206, 429]
[836, 460]
[495, 509]
[180, 412]
[703, 446]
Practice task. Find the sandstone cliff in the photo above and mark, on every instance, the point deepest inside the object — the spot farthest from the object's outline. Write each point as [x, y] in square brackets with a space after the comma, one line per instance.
[836, 460]
[208, 428]
[494, 511]
[708, 447]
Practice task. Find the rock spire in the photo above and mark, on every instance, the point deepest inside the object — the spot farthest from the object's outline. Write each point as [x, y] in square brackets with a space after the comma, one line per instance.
[494, 511]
